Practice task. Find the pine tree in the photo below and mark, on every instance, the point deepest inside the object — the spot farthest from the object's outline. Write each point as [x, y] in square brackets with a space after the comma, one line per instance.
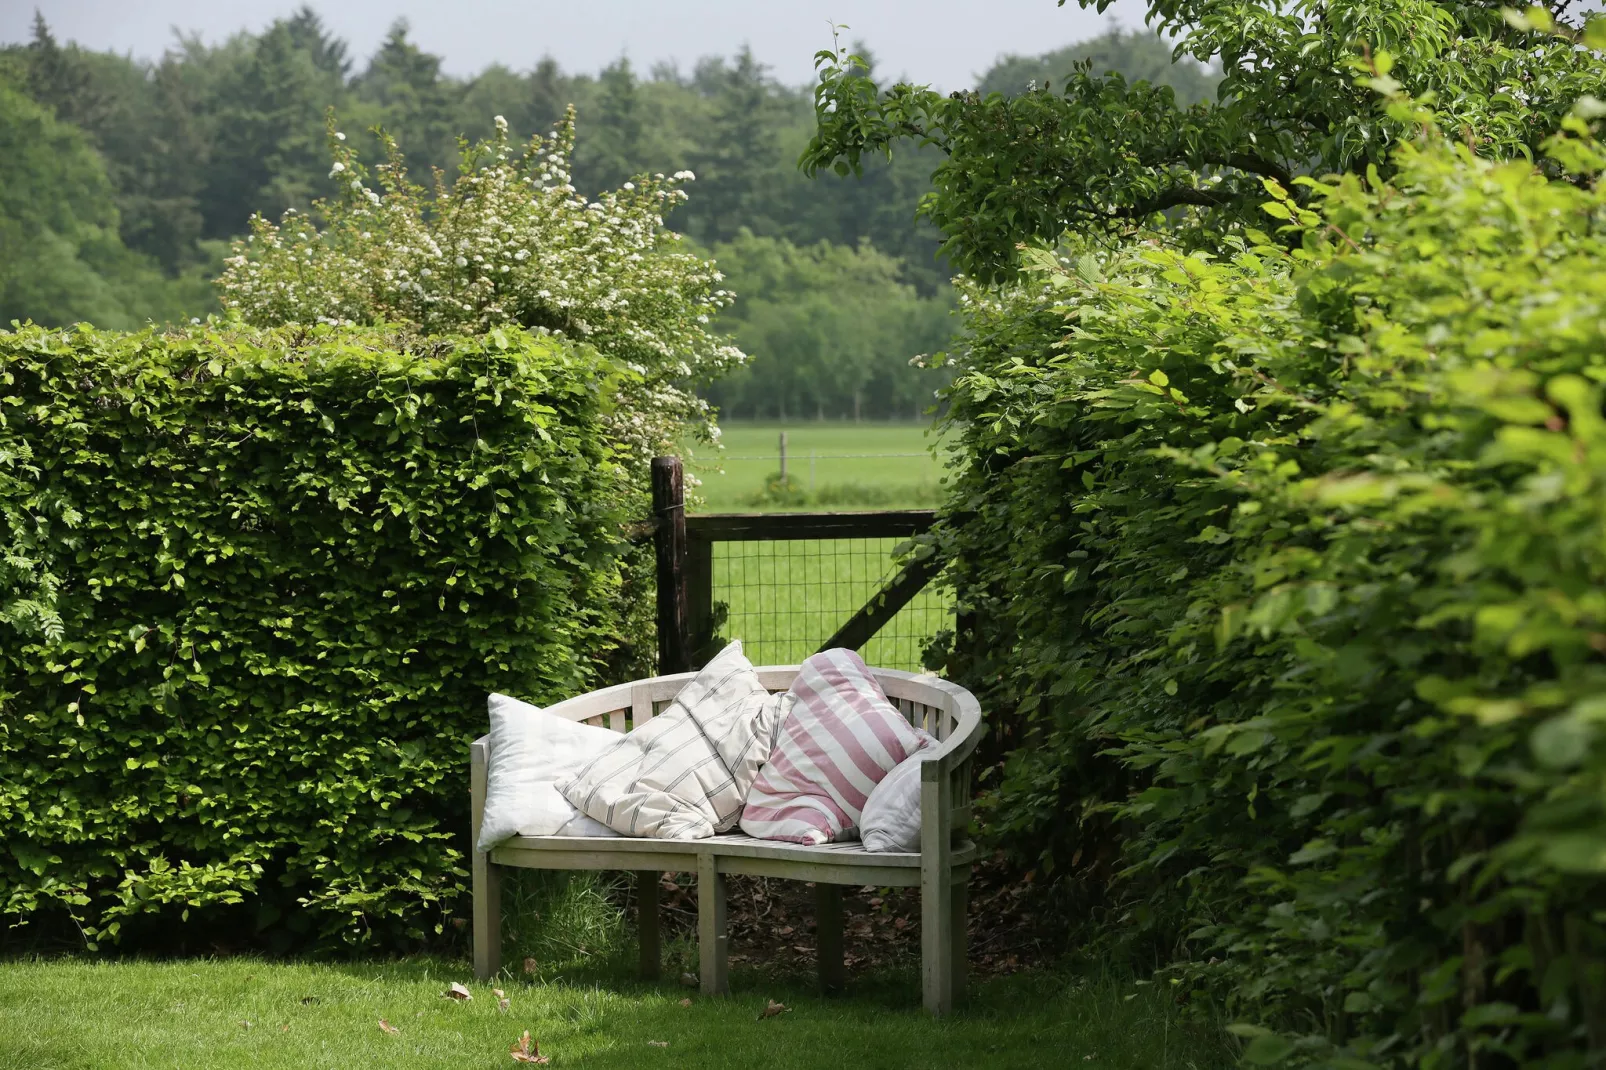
[738, 169]
[414, 102]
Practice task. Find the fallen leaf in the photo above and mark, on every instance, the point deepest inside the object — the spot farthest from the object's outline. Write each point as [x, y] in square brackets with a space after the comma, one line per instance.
[785, 930]
[689, 980]
[285, 1028]
[387, 1028]
[686, 1002]
[457, 991]
[503, 1004]
[525, 1050]
[498, 993]
[245, 1025]
[772, 1010]
[530, 965]
[658, 1043]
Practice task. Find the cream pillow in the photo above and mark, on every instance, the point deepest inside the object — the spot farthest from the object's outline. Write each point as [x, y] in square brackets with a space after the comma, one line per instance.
[685, 774]
[891, 818]
[531, 750]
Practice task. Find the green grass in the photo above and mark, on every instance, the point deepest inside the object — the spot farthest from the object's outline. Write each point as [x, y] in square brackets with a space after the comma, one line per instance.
[196, 1015]
[836, 465]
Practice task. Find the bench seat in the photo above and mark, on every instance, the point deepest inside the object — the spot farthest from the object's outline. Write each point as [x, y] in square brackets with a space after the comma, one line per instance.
[833, 863]
[940, 869]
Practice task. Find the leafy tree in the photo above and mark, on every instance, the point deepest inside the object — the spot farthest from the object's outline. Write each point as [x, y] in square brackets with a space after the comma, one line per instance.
[412, 101]
[58, 223]
[510, 242]
[832, 330]
[1107, 153]
[328, 52]
[740, 159]
[1135, 55]
[266, 115]
[618, 149]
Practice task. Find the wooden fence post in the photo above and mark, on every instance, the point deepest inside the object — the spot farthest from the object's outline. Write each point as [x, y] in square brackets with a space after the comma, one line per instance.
[669, 509]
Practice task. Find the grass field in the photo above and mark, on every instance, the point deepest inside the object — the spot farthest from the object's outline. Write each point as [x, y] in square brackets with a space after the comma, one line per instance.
[835, 465]
[223, 1015]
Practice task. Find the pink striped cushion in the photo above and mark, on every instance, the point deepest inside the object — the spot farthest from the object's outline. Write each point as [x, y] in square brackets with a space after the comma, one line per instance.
[840, 738]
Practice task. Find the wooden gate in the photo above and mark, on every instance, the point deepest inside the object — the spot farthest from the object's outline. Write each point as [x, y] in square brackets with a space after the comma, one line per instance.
[688, 617]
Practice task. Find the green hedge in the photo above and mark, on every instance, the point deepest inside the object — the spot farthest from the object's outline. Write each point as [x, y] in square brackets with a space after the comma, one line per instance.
[256, 585]
[1289, 575]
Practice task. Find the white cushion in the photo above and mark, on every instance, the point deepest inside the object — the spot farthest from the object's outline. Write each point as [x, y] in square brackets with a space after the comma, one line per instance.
[685, 774]
[530, 750]
[891, 818]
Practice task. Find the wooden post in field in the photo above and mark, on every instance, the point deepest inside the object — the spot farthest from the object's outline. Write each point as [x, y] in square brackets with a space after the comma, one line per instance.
[669, 510]
[783, 458]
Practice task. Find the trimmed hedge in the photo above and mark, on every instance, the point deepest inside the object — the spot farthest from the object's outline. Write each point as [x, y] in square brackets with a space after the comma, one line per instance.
[1289, 576]
[256, 586]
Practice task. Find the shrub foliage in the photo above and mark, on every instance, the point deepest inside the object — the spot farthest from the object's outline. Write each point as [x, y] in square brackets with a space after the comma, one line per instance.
[509, 242]
[1289, 568]
[256, 586]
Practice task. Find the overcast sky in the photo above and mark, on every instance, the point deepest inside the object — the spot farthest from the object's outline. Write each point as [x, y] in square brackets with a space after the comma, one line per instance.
[942, 42]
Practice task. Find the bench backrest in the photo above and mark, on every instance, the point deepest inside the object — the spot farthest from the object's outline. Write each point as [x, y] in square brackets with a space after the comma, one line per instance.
[929, 702]
[944, 709]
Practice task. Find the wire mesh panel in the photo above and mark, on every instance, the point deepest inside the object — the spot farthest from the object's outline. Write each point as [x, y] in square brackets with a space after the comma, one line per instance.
[784, 598]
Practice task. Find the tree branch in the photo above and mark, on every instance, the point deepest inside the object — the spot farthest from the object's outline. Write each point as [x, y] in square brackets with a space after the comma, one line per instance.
[1244, 161]
[1174, 198]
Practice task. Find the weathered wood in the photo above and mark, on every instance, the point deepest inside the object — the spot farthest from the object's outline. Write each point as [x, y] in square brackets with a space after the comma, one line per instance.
[713, 935]
[638, 531]
[669, 507]
[700, 596]
[828, 937]
[485, 878]
[777, 527]
[936, 892]
[941, 868]
[825, 871]
[960, 891]
[726, 846]
[647, 922]
[885, 603]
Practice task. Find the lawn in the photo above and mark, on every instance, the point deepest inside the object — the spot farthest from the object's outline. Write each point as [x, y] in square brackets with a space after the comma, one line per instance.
[195, 1015]
[835, 465]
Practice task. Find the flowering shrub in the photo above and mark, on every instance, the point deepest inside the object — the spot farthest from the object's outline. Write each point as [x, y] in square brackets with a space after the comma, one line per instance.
[510, 242]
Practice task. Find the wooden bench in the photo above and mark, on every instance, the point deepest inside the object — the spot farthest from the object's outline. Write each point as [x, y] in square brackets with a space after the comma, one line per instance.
[941, 869]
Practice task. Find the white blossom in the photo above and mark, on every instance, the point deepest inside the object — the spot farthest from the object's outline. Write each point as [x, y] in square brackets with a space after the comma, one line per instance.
[607, 266]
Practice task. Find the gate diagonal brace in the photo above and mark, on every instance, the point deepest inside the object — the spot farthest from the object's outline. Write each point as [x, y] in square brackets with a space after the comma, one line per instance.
[885, 603]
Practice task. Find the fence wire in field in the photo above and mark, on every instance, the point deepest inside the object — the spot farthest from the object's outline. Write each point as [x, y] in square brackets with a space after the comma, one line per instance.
[785, 598]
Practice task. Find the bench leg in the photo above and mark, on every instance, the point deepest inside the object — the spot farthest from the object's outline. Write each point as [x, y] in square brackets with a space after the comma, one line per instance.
[647, 922]
[961, 941]
[937, 939]
[713, 941]
[828, 936]
[487, 881]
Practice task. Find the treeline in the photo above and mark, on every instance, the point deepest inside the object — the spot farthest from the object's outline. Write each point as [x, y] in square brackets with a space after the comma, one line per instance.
[123, 181]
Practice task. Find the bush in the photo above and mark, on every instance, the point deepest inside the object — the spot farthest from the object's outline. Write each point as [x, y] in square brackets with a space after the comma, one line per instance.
[509, 242]
[256, 587]
[1289, 574]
